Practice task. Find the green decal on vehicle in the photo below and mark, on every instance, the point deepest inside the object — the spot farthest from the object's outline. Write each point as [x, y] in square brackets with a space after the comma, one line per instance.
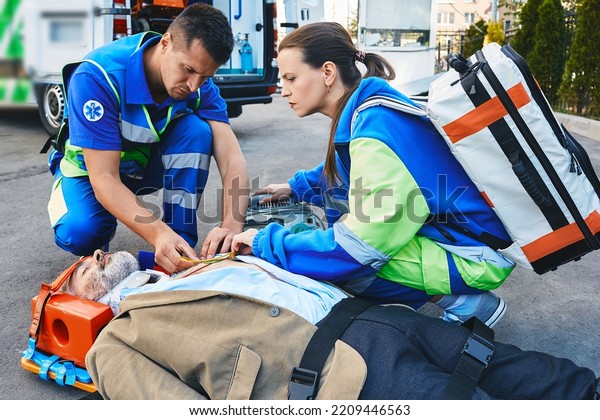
[15, 45]
[17, 91]
[10, 30]
[15, 87]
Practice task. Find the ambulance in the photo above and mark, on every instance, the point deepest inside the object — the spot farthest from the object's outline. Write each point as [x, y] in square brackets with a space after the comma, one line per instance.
[38, 37]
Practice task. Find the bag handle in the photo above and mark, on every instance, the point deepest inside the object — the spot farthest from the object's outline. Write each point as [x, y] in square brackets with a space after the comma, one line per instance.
[47, 290]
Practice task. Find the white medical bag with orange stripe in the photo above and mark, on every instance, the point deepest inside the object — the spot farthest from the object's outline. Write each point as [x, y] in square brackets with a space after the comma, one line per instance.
[537, 178]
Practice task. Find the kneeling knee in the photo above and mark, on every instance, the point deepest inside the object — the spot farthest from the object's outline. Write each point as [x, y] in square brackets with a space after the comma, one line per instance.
[81, 239]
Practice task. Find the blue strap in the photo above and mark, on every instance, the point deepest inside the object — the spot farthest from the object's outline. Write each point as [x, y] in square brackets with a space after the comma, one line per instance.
[66, 372]
[71, 372]
[60, 373]
[28, 354]
[83, 376]
[45, 367]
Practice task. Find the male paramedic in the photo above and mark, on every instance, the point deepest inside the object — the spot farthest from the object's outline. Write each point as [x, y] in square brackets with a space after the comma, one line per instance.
[144, 114]
[236, 329]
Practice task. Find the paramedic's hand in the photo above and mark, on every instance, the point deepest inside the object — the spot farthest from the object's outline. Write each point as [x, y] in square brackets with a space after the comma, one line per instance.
[167, 250]
[242, 242]
[277, 192]
[217, 241]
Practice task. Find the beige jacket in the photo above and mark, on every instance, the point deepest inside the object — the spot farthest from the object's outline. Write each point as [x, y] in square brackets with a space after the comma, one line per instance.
[206, 344]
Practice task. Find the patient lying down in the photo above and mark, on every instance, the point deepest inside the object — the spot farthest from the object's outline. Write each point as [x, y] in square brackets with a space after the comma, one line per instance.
[110, 277]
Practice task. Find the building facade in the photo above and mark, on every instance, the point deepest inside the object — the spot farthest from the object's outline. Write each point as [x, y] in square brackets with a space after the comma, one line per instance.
[454, 17]
[458, 15]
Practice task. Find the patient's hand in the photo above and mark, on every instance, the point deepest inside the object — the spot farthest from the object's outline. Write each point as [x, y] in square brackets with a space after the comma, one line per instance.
[242, 242]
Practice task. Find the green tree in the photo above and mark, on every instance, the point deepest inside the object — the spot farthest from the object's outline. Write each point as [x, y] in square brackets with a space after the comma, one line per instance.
[522, 42]
[474, 37]
[547, 59]
[581, 79]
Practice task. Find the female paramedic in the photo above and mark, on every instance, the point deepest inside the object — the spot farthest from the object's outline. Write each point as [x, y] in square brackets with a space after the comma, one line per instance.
[406, 224]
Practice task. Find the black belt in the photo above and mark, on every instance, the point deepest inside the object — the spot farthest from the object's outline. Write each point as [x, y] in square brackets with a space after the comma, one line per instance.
[304, 380]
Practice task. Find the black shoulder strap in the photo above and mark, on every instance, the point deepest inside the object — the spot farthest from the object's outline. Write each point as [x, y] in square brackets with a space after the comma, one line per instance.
[473, 360]
[304, 380]
[58, 140]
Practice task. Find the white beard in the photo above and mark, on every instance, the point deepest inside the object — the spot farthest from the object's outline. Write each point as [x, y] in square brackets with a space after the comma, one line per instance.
[120, 265]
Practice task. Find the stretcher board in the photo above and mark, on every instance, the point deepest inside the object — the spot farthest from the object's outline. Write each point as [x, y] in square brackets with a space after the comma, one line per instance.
[32, 367]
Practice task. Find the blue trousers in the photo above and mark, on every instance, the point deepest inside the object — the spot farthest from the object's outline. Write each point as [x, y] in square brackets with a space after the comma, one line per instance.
[412, 356]
[179, 164]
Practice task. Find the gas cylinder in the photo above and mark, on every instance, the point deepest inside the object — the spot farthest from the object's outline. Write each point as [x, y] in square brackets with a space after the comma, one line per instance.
[246, 54]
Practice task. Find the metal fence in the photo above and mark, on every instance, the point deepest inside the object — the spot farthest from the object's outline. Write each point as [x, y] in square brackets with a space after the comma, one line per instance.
[447, 42]
[454, 41]
[562, 105]
[570, 24]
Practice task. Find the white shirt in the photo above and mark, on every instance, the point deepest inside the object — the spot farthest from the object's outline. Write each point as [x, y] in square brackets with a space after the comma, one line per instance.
[308, 298]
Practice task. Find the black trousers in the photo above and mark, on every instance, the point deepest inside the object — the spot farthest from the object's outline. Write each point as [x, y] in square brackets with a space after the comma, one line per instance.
[411, 356]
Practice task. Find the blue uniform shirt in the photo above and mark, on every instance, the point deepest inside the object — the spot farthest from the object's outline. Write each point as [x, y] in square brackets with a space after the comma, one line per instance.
[94, 110]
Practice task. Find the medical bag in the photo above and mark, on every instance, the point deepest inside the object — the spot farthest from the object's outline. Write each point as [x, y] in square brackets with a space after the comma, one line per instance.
[531, 171]
[538, 179]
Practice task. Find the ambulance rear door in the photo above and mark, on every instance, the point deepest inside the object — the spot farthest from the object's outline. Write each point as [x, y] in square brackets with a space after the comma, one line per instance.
[250, 75]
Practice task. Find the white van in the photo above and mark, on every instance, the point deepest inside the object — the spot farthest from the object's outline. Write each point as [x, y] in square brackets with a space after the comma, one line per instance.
[57, 32]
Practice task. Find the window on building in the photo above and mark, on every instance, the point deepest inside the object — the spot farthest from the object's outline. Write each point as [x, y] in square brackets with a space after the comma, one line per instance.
[446, 18]
[469, 18]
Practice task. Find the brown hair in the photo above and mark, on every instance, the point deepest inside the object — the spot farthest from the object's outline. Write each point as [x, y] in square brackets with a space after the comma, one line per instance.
[329, 41]
[206, 24]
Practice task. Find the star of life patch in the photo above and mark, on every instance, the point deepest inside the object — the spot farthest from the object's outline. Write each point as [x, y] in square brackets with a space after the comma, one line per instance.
[93, 110]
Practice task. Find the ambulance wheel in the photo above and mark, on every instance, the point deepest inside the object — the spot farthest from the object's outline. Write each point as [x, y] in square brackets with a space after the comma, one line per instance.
[51, 106]
[140, 25]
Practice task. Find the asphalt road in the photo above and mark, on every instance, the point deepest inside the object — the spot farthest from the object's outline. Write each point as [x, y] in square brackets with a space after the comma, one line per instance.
[555, 313]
